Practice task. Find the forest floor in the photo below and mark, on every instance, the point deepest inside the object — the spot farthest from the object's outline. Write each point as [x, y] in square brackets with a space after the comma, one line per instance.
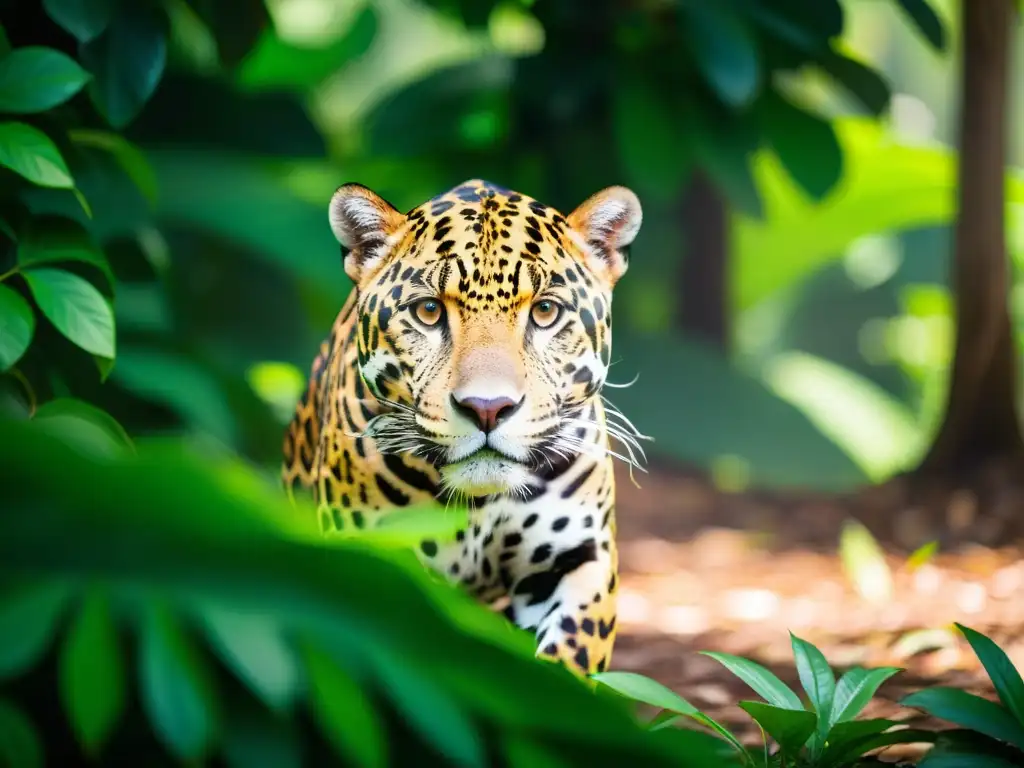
[736, 572]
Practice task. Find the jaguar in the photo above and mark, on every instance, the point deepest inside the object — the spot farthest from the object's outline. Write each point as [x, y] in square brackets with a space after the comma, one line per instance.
[467, 365]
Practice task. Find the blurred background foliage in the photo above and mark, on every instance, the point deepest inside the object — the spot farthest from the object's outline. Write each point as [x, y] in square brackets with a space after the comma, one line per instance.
[805, 341]
[166, 270]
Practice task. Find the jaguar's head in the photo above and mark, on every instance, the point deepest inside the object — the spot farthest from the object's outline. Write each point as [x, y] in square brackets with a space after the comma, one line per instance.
[485, 324]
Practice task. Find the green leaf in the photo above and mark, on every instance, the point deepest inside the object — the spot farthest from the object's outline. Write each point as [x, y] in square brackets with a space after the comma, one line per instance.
[431, 711]
[855, 689]
[131, 159]
[83, 425]
[127, 62]
[20, 745]
[345, 714]
[970, 711]
[30, 153]
[92, 675]
[34, 79]
[840, 752]
[643, 689]
[28, 623]
[522, 752]
[864, 83]
[17, 326]
[177, 692]
[85, 19]
[815, 675]
[818, 681]
[54, 239]
[725, 51]
[922, 555]
[276, 64]
[763, 681]
[789, 727]
[1005, 677]
[256, 738]
[864, 562]
[969, 749]
[806, 144]
[76, 308]
[255, 648]
[927, 21]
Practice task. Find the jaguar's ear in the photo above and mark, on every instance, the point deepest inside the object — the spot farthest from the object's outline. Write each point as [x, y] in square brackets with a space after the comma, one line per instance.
[608, 222]
[362, 221]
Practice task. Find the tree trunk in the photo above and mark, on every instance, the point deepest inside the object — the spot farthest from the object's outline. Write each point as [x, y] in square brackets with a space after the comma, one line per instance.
[703, 311]
[981, 416]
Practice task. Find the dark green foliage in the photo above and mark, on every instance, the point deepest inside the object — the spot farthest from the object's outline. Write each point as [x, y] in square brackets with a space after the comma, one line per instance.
[206, 570]
[820, 734]
[992, 733]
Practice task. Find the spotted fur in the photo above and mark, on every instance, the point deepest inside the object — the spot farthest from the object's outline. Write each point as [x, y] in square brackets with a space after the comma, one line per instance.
[384, 421]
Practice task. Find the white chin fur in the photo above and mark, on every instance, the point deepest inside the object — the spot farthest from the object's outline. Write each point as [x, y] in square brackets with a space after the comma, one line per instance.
[485, 475]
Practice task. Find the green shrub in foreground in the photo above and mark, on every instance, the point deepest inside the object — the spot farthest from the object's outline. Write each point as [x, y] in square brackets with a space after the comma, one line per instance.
[191, 618]
[823, 734]
[991, 735]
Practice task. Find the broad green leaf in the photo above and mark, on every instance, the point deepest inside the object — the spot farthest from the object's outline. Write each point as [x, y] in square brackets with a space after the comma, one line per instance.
[82, 424]
[927, 21]
[820, 684]
[843, 738]
[763, 681]
[20, 744]
[30, 153]
[643, 689]
[92, 674]
[255, 648]
[344, 712]
[28, 622]
[789, 727]
[815, 675]
[665, 718]
[76, 308]
[257, 738]
[970, 711]
[17, 326]
[127, 62]
[85, 19]
[35, 78]
[855, 689]
[725, 151]
[1005, 677]
[132, 159]
[178, 694]
[864, 83]
[874, 428]
[275, 64]
[806, 144]
[408, 526]
[969, 749]
[806, 24]
[922, 555]
[864, 562]
[181, 384]
[725, 50]
[54, 239]
[887, 184]
[854, 748]
[522, 752]
[431, 711]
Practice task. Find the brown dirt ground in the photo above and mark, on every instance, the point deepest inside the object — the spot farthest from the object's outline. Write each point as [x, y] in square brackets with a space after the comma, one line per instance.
[735, 572]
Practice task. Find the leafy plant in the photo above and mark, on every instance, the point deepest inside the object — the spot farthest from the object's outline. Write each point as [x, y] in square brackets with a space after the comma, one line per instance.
[823, 733]
[186, 584]
[991, 735]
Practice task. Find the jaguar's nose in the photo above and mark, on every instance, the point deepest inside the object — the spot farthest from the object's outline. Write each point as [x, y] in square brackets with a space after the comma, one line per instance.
[486, 413]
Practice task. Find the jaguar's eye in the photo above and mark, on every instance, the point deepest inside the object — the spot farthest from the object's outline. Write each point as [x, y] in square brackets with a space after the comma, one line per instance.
[545, 313]
[429, 311]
